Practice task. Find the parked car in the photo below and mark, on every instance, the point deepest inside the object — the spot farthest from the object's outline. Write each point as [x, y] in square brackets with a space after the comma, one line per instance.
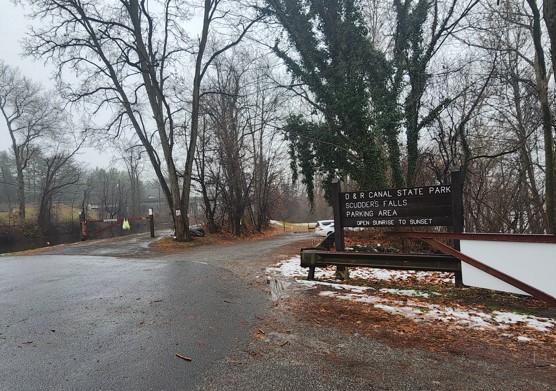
[324, 227]
[197, 230]
[194, 230]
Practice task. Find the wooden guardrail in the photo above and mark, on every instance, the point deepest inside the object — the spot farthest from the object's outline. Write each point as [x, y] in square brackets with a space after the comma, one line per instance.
[313, 258]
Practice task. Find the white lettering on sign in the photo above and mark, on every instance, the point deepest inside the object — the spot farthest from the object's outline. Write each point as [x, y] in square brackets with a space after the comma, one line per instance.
[368, 194]
[418, 191]
[416, 206]
[383, 222]
[394, 203]
[393, 193]
[420, 221]
[387, 212]
[361, 204]
[440, 190]
[360, 213]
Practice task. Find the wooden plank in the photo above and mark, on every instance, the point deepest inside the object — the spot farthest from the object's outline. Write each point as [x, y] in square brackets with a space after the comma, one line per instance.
[528, 238]
[432, 262]
[536, 293]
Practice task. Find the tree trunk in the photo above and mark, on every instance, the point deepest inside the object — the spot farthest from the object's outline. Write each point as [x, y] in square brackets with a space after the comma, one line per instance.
[527, 166]
[542, 88]
[549, 8]
[21, 194]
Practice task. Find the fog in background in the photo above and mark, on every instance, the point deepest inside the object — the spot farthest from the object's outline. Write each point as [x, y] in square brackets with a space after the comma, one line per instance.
[13, 26]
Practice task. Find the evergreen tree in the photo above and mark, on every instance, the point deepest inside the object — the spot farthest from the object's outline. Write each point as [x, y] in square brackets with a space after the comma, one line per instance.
[351, 86]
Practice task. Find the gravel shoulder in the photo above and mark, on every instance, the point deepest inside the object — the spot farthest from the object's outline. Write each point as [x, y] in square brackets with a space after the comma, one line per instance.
[310, 342]
[290, 351]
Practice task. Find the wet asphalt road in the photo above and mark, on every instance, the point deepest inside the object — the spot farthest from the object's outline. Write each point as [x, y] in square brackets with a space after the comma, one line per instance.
[74, 322]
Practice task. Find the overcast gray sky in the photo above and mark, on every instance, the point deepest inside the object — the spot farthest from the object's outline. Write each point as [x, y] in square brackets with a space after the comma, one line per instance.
[12, 29]
[13, 25]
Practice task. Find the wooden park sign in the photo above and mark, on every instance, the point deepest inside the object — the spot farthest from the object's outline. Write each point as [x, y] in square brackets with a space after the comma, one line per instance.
[437, 205]
[418, 206]
[502, 267]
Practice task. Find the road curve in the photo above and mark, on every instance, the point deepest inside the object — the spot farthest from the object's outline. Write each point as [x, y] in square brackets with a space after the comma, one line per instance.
[95, 322]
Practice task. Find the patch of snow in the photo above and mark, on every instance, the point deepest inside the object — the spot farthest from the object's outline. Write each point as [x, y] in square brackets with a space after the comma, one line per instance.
[407, 311]
[460, 318]
[292, 268]
[534, 322]
[409, 292]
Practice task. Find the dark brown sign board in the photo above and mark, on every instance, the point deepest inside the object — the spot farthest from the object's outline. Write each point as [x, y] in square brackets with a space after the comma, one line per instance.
[418, 206]
[438, 205]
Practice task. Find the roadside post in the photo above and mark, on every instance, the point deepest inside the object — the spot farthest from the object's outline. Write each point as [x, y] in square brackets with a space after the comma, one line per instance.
[341, 271]
[457, 213]
[83, 229]
[151, 222]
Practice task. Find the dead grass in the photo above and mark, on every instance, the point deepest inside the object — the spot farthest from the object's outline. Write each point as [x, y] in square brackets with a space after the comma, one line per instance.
[373, 237]
[168, 244]
[61, 212]
[284, 225]
[398, 331]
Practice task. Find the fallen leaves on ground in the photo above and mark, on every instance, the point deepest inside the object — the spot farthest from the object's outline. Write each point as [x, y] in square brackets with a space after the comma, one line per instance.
[425, 310]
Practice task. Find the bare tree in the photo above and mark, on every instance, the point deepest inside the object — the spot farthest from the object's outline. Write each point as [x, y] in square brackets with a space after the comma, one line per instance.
[512, 122]
[29, 113]
[422, 28]
[230, 133]
[238, 164]
[59, 172]
[8, 183]
[128, 56]
[542, 79]
[208, 176]
[263, 116]
[131, 155]
[107, 191]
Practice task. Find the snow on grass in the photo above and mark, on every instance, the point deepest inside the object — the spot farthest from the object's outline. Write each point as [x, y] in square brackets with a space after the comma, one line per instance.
[290, 268]
[541, 324]
[409, 292]
[385, 299]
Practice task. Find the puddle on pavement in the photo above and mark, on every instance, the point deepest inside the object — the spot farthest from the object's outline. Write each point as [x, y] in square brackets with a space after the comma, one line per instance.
[278, 288]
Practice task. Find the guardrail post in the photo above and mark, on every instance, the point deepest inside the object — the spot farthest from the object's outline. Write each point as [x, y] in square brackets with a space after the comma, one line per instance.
[457, 213]
[151, 222]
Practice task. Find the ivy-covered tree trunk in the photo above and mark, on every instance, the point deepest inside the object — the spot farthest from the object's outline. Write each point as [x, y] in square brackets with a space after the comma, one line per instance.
[350, 85]
[412, 59]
